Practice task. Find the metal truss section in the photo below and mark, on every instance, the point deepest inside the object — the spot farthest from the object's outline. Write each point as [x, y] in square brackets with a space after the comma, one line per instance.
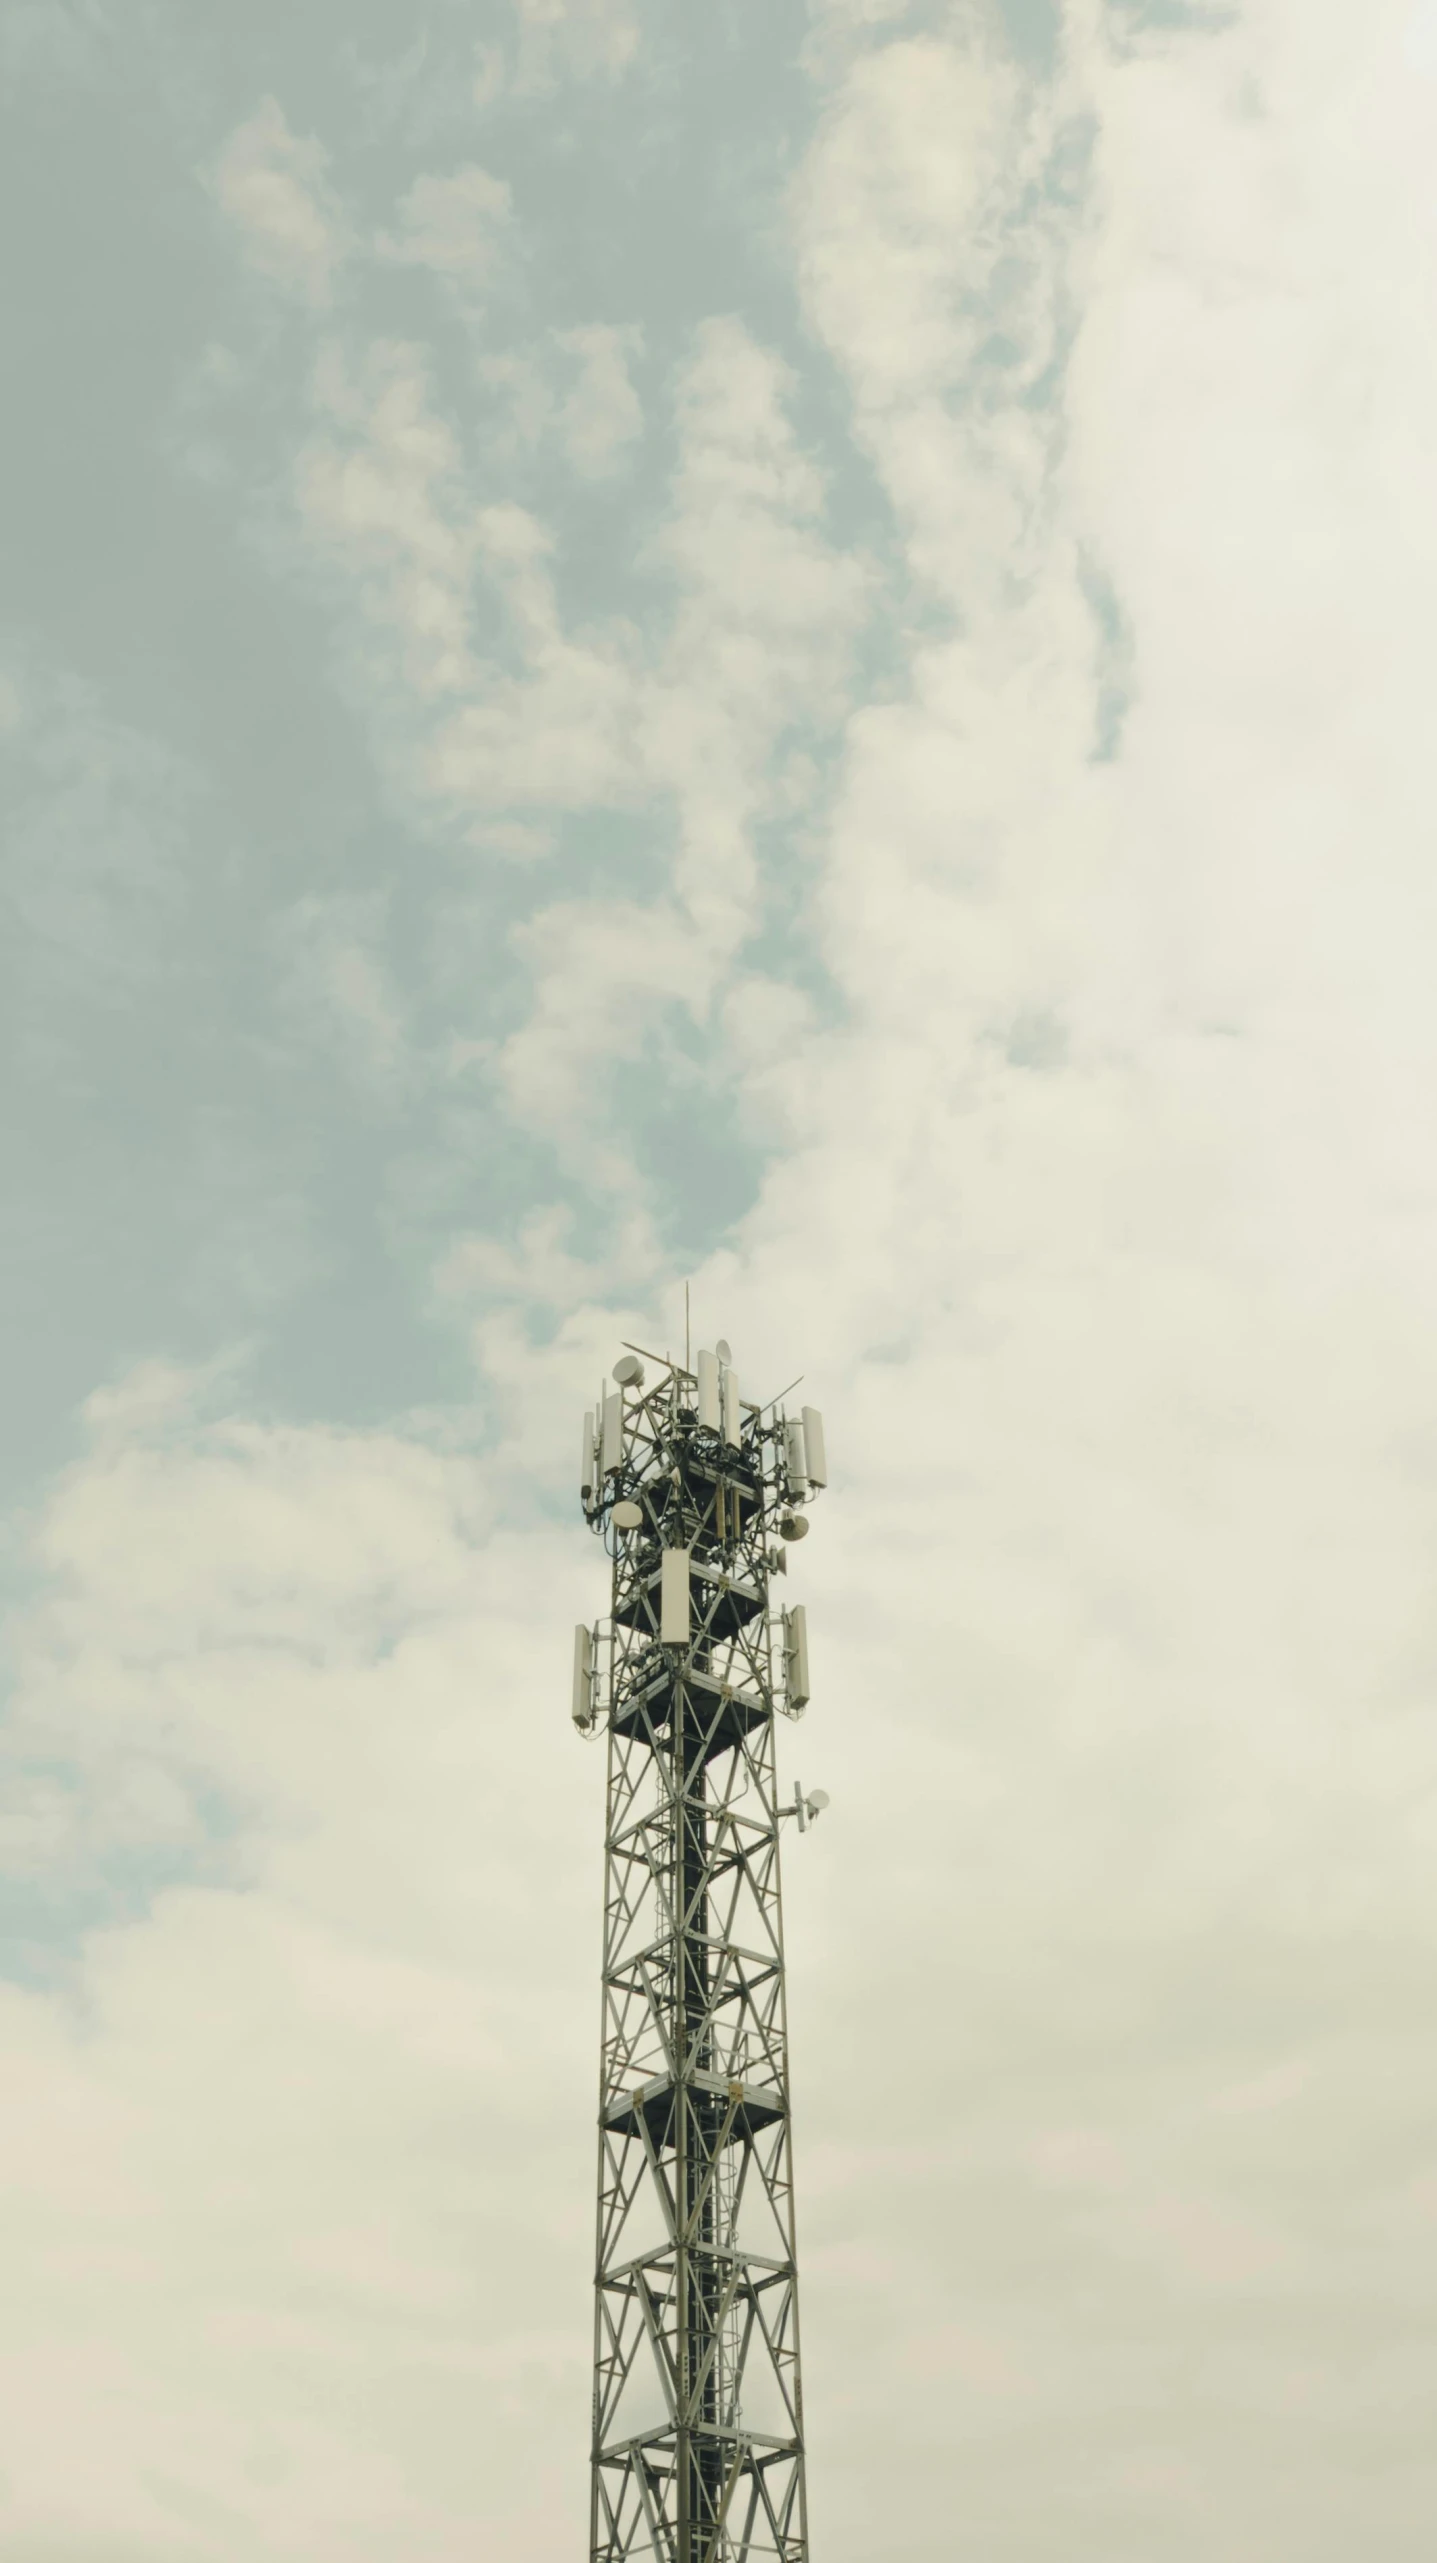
[698, 2403]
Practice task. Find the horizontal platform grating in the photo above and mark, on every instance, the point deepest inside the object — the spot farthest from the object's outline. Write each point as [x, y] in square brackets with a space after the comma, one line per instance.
[719, 1716]
[740, 2107]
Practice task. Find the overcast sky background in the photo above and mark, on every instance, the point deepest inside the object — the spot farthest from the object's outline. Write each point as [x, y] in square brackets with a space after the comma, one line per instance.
[795, 646]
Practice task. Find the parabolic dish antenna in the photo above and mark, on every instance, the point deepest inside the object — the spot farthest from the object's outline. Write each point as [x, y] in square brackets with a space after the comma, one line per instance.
[628, 1517]
[629, 1371]
[723, 1350]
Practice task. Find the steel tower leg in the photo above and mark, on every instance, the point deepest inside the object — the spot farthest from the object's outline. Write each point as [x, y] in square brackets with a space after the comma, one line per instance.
[698, 2450]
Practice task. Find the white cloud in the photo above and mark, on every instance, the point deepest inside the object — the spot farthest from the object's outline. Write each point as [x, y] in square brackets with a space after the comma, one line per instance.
[605, 975]
[542, 1270]
[382, 490]
[272, 185]
[1420, 43]
[574, 39]
[602, 417]
[224, 2115]
[557, 731]
[1106, 1229]
[932, 255]
[542, 43]
[331, 954]
[1126, 1592]
[766, 613]
[456, 225]
[764, 619]
[768, 1023]
[387, 497]
[520, 404]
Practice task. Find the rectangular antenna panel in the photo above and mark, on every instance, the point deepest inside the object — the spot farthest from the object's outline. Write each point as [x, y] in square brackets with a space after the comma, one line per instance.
[612, 1453]
[583, 1676]
[795, 1457]
[795, 1656]
[732, 1424]
[674, 1598]
[586, 1457]
[815, 1453]
[708, 1373]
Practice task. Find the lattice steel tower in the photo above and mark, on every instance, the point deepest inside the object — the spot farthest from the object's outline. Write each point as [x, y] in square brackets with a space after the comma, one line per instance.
[698, 2407]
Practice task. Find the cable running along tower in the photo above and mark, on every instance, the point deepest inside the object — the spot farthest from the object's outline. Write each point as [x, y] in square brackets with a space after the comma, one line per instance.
[698, 2405]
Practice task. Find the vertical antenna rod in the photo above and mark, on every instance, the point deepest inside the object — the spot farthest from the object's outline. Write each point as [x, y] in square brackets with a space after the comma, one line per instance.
[698, 2405]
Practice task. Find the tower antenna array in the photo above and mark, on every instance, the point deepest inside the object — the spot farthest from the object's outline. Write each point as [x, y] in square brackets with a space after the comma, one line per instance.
[698, 2452]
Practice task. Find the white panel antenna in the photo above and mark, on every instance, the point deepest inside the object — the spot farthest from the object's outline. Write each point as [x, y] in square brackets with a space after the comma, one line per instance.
[674, 1598]
[612, 1453]
[583, 1711]
[795, 1457]
[708, 1379]
[815, 1455]
[795, 1656]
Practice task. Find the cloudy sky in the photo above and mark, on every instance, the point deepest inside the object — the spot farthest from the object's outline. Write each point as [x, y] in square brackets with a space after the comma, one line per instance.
[790, 645]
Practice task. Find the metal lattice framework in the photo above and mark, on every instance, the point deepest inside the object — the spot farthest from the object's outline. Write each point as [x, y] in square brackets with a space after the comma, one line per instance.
[698, 2406]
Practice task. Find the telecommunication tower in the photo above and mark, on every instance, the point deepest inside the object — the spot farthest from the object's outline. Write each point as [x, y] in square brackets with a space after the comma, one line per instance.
[698, 2452]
